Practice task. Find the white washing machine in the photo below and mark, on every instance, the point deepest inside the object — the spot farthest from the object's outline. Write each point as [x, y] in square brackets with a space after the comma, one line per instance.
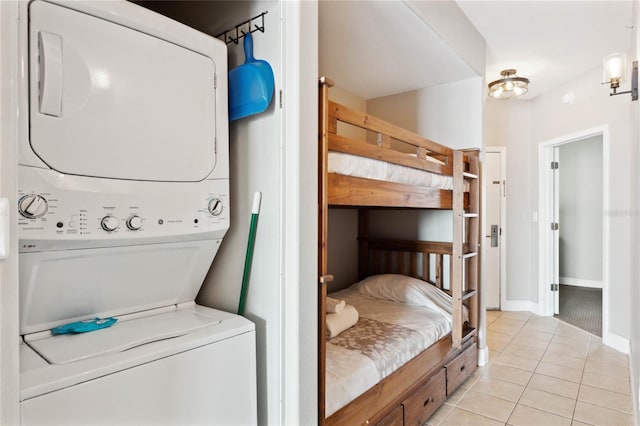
[123, 202]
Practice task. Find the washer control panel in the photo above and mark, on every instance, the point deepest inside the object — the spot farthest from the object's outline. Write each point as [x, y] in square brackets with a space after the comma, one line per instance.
[79, 212]
[33, 206]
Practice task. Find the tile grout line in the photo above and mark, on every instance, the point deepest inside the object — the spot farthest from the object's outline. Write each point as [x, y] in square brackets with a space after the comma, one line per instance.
[532, 373]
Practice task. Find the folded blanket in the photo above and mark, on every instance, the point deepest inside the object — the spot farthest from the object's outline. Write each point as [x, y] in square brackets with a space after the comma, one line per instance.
[335, 305]
[337, 323]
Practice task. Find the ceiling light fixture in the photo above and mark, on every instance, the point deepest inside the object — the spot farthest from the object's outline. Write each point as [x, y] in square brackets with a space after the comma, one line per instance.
[510, 85]
[615, 72]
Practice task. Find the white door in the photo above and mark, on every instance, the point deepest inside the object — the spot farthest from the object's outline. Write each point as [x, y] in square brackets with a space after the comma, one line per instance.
[494, 193]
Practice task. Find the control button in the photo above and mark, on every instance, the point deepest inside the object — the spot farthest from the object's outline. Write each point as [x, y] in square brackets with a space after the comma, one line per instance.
[215, 206]
[134, 222]
[109, 223]
[33, 206]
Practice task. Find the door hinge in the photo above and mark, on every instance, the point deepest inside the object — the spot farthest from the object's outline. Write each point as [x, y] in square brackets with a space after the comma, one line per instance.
[215, 145]
[554, 165]
[280, 99]
[555, 287]
[215, 81]
[555, 226]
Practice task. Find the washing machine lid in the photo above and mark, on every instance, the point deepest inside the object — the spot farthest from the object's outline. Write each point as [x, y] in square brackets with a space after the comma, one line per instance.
[111, 101]
[122, 336]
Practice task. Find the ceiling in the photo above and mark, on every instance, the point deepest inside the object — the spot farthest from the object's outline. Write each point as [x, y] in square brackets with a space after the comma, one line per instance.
[549, 42]
[378, 48]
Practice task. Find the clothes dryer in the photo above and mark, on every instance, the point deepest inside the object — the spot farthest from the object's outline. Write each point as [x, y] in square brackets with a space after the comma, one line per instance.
[123, 203]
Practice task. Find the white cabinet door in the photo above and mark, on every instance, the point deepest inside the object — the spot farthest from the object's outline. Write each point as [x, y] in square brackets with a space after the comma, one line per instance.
[110, 101]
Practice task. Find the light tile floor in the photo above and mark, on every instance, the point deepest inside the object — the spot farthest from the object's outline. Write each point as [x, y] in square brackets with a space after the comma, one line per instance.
[542, 372]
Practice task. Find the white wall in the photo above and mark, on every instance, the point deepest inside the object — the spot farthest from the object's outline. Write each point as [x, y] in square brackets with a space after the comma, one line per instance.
[592, 107]
[450, 114]
[521, 125]
[580, 174]
[509, 125]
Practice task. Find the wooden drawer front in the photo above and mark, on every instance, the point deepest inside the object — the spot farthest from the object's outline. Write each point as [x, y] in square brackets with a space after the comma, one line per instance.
[394, 418]
[425, 401]
[461, 368]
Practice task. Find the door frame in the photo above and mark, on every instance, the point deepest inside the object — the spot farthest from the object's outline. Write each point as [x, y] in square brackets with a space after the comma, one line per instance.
[545, 211]
[9, 134]
[502, 150]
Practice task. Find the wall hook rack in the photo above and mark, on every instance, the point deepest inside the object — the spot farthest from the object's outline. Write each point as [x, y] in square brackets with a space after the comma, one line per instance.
[234, 34]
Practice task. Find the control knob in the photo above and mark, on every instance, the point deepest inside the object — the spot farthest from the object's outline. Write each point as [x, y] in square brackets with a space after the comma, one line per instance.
[134, 222]
[33, 206]
[215, 206]
[109, 223]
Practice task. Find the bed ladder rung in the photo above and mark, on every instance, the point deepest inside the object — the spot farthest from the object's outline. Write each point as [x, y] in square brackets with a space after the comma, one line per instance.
[469, 255]
[468, 175]
[471, 215]
[469, 293]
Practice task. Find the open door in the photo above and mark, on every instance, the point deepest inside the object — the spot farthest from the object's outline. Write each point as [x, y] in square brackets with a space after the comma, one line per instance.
[555, 226]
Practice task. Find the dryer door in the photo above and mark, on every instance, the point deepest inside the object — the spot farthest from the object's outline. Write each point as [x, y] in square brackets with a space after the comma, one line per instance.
[110, 101]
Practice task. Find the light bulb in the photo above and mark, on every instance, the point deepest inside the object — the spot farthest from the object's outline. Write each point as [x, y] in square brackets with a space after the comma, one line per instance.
[508, 86]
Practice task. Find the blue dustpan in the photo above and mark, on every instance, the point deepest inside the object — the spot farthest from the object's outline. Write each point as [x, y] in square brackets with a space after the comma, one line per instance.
[250, 85]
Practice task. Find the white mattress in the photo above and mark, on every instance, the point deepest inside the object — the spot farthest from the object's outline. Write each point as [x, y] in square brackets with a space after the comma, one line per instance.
[369, 168]
[355, 361]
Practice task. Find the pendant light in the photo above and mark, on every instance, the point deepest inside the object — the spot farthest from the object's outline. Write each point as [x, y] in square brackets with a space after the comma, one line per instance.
[510, 85]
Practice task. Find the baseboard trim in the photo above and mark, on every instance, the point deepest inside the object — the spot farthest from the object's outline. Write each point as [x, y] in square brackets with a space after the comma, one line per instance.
[483, 356]
[520, 306]
[616, 342]
[579, 282]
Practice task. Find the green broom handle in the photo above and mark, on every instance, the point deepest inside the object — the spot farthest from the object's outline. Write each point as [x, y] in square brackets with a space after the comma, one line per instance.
[255, 212]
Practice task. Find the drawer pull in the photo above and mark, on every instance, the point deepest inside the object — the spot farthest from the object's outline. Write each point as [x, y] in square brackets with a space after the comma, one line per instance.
[428, 401]
[462, 368]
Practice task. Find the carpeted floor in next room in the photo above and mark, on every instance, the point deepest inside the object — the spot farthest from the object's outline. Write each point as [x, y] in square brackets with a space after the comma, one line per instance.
[582, 307]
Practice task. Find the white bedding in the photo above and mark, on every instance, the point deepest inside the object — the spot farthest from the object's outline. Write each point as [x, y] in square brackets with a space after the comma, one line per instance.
[369, 168]
[388, 334]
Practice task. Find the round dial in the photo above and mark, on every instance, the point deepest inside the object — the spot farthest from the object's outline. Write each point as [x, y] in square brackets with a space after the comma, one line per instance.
[215, 206]
[109, 223]
[134, 222]
[33, 206]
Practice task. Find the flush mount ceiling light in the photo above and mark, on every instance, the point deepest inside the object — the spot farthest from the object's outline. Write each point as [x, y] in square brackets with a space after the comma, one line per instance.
[509, 86]
[615, 72]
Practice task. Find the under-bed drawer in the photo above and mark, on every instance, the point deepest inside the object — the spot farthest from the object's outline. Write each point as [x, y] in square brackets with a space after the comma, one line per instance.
[425, 401]
[394, 418]
[460, 368]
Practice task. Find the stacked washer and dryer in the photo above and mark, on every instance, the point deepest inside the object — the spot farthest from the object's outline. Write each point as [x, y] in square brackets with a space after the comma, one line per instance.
[123, 202]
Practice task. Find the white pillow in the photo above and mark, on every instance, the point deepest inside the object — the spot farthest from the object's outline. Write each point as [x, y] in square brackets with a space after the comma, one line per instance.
[405, 289]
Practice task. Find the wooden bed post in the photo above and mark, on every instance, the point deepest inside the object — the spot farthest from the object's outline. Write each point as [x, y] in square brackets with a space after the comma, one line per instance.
[457, 262]
[323, 212]
[363, 243]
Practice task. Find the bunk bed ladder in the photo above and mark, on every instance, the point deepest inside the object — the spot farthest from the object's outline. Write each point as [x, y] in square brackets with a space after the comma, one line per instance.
[465, 268]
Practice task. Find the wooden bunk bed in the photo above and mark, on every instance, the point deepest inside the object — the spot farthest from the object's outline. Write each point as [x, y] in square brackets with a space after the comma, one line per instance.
[410, 394]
